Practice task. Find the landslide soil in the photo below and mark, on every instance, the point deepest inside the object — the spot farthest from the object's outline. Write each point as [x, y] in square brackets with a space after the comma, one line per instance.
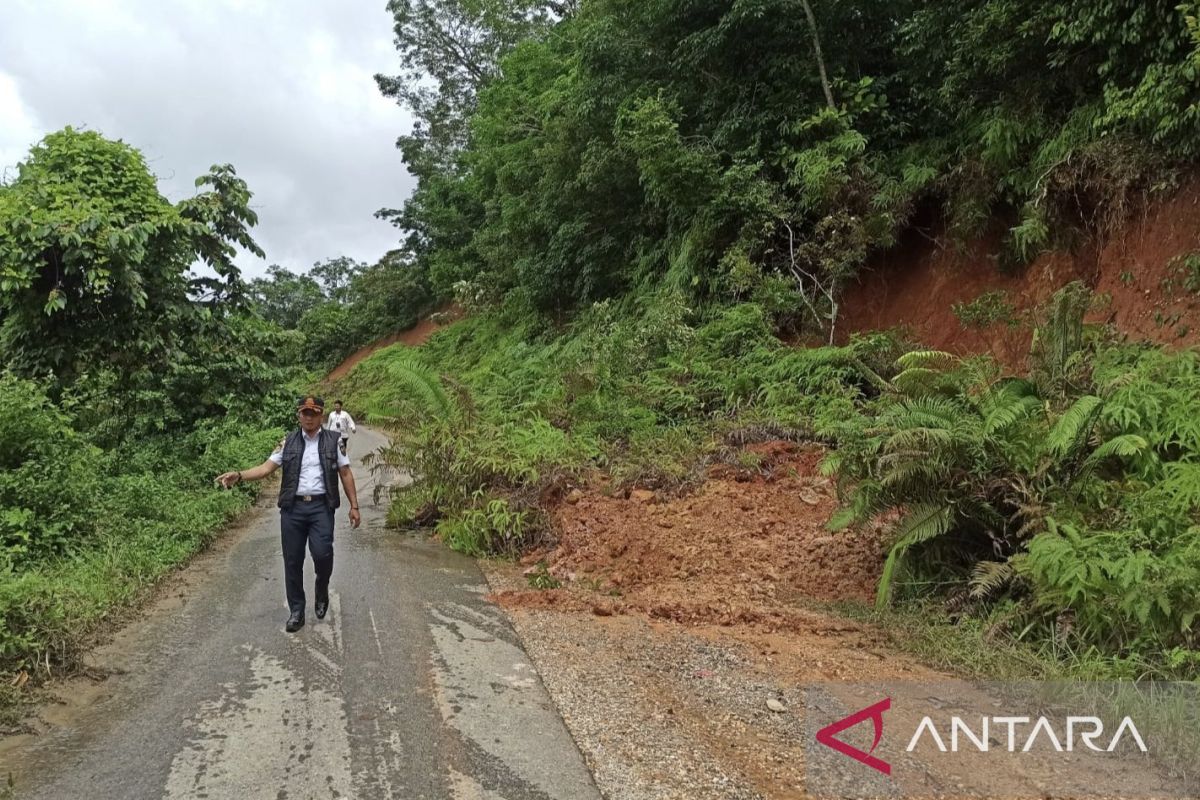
[681, 621]
[687, 629]
[743, 549]
[413, 337]
[1138, 274]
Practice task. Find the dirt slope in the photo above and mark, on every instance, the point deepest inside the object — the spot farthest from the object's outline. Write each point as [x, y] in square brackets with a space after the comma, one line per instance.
[414, 336]
[1137, 273]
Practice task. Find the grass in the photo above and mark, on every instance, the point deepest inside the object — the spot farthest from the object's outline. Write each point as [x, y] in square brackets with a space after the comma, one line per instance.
[149, 521]
[56, 609]
[977, 648]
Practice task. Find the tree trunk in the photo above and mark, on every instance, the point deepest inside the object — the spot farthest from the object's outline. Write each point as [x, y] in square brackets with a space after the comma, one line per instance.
[812, 26]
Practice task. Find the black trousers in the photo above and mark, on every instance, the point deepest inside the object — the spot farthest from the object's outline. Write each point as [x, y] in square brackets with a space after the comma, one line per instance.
[312, 524]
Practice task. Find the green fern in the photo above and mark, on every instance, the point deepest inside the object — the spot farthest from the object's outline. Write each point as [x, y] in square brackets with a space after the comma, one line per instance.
[989, 577]
[1073, 427]
[916, 380]
[919, 441]
[1007, 407]
[1057, 342]
[411, 380]
[928, 359]
[922, 524]
[1126, 445]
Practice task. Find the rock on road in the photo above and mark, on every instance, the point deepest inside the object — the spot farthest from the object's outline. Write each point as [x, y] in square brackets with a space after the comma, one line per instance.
[413, 686]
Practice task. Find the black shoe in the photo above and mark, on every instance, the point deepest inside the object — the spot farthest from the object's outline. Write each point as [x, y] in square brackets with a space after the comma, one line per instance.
[295, 622]
[322, 605]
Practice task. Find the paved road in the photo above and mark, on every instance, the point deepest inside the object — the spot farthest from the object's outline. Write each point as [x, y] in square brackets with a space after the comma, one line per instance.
[412, 687]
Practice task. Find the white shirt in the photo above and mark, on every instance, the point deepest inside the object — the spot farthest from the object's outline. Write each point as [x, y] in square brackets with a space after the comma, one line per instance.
[341, 422]
[311, 479]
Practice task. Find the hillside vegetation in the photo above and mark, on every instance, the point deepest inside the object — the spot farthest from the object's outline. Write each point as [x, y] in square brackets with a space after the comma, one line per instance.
[640, 202]
[578, 152]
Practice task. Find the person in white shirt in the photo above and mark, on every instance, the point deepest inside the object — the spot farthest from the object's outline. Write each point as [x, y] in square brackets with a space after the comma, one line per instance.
[343, 424]
[308, 497]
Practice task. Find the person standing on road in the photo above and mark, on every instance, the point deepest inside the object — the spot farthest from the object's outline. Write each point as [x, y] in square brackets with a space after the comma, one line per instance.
[308, 496]
[341, 422]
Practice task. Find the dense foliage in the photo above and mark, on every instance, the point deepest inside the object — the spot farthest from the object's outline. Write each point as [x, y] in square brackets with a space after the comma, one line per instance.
[91, 255]
[577, 152]
[84, 531]
[1072, 494]
[129, 381]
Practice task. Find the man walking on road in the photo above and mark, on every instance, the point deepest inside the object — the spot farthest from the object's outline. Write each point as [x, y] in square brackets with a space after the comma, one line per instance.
[341, 422]
[308, 496]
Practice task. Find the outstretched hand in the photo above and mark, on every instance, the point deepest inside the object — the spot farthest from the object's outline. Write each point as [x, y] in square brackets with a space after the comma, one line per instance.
[228, 480]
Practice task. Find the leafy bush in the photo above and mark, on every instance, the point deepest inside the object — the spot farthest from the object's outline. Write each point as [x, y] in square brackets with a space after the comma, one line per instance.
[487, 528]
[986, 309]
[150, 506]
[48, 478]
[1076, 493]
[331, 332]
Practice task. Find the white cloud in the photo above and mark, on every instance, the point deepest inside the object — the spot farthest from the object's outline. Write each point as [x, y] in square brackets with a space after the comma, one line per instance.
[20, 129]
[282, 89]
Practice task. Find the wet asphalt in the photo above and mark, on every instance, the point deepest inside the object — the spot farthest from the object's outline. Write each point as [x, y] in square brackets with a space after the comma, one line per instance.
[413, 686]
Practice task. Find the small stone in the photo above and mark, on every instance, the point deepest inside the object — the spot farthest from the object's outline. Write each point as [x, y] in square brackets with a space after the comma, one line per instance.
[642, 496]
[601, 610]
[775, 705]
[574, 496]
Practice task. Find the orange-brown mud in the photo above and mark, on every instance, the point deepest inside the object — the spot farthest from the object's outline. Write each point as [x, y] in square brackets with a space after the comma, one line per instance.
[744, 549]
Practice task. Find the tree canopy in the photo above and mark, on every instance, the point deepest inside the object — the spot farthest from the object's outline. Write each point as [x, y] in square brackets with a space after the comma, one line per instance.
[717, 146]
[95, 264]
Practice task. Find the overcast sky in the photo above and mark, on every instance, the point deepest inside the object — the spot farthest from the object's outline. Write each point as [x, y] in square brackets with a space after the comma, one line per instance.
[281, 89]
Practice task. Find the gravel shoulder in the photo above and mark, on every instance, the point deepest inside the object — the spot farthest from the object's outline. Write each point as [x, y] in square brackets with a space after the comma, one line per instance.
[662, 709]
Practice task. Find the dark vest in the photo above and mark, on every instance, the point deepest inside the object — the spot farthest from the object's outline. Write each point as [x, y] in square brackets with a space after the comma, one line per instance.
[293, 452]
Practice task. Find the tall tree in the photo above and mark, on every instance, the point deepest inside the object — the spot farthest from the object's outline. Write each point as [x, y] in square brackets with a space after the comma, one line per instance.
[816, 39]
[335, 275]
[449, 49]
[95, 264]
